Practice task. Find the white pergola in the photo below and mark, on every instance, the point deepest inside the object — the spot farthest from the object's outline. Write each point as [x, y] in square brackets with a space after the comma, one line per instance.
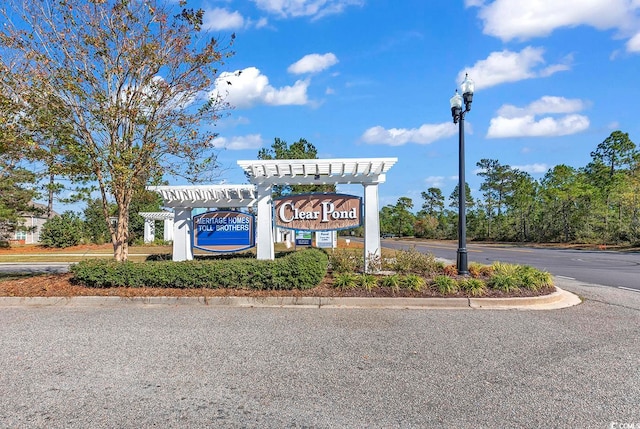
[150, 219]
[183, 199]
[369, 172]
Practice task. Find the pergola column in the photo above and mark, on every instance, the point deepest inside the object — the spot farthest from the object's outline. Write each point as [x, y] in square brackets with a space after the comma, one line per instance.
[168, 230]
[371, 225]
[182, 250]
[264, 227]
[149, 230]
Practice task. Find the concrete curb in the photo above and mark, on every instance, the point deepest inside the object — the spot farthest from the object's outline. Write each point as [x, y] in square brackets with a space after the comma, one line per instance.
[556, 300]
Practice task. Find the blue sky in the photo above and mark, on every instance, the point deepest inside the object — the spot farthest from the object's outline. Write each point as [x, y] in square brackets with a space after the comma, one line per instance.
[365, 78]
[373, 78]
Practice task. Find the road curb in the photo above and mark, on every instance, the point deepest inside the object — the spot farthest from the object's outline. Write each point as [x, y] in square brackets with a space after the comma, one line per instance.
[556, 300]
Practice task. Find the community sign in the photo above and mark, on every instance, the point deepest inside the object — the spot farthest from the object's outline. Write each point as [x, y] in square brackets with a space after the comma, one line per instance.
[326, 239]
[318, 212]
[304, 238]
[223, 231]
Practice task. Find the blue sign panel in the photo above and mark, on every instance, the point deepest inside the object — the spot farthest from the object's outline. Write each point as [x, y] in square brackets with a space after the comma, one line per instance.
[303, 238]
[223, 231]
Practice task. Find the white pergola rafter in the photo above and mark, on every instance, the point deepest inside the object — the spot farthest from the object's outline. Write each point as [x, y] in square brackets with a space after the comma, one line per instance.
[156, 215]
[317, 171]
[207, 196]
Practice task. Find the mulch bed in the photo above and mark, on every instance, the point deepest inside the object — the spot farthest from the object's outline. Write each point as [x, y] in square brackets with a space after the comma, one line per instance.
[61, 285]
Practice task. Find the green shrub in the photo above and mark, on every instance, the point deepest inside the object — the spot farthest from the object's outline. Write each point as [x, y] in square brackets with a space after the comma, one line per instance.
[510, 277]
[445, 285]
[345, 261]
[543, 279]
[344, 281]
[439, 267]
[300, 270]
[96, 229]
[413, 282]
[367, 281]
[504, 282]
[62, 231]
[412, 261]
[532, 278]
[504, 268]
[393, 282]
[474, 287]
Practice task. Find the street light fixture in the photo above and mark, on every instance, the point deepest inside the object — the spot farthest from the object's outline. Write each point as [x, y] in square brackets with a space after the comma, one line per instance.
[458, 114]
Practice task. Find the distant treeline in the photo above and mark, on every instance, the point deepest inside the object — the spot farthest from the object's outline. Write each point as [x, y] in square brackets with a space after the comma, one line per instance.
[597, 203]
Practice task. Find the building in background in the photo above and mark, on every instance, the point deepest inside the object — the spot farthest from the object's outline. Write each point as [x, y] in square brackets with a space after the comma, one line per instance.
[33, 222]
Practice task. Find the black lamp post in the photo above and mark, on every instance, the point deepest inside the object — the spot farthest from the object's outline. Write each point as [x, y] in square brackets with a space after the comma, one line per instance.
[458, 118]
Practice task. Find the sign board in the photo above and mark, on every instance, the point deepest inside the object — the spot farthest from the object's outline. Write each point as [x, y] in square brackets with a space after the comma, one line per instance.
[223, 231]
[326, 239]
[318, 212]
[303, 238]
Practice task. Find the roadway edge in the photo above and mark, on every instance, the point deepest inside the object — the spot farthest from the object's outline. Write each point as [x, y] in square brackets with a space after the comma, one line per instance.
[558, 299]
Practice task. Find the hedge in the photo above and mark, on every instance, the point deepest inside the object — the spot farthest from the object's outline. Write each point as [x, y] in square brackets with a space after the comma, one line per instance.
[298, 270]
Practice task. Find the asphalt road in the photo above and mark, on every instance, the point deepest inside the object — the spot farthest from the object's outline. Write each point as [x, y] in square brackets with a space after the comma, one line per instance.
[138, 366]
[610, 268]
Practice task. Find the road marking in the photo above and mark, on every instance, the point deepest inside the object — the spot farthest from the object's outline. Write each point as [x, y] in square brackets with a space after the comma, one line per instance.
[565, 277]
[438, 246]
[469, 250]
[628, 288]
[507, 249]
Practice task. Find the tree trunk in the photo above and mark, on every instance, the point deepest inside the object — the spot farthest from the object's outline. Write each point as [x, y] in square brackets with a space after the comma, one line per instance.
[50, 202]
[565, 224]
[121, 236]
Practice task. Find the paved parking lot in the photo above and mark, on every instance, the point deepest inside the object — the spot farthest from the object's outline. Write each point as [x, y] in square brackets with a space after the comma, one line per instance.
[196, 366]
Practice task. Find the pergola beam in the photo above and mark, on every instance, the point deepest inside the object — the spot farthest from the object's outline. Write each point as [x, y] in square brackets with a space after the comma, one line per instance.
[207, 196]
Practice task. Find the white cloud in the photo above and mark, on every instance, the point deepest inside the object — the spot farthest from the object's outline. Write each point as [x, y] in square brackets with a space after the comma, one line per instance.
[233, 121]
[508, 20]
[313, 63]
[633, 45]
[546, 104]
[314, 8]
[507, 66]
[262, 22]
[434, 181]
[250, 141]
[426, 134]
[515, 121]
[221, 19]
[528, 126]
[249, 87]
[532, 168]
